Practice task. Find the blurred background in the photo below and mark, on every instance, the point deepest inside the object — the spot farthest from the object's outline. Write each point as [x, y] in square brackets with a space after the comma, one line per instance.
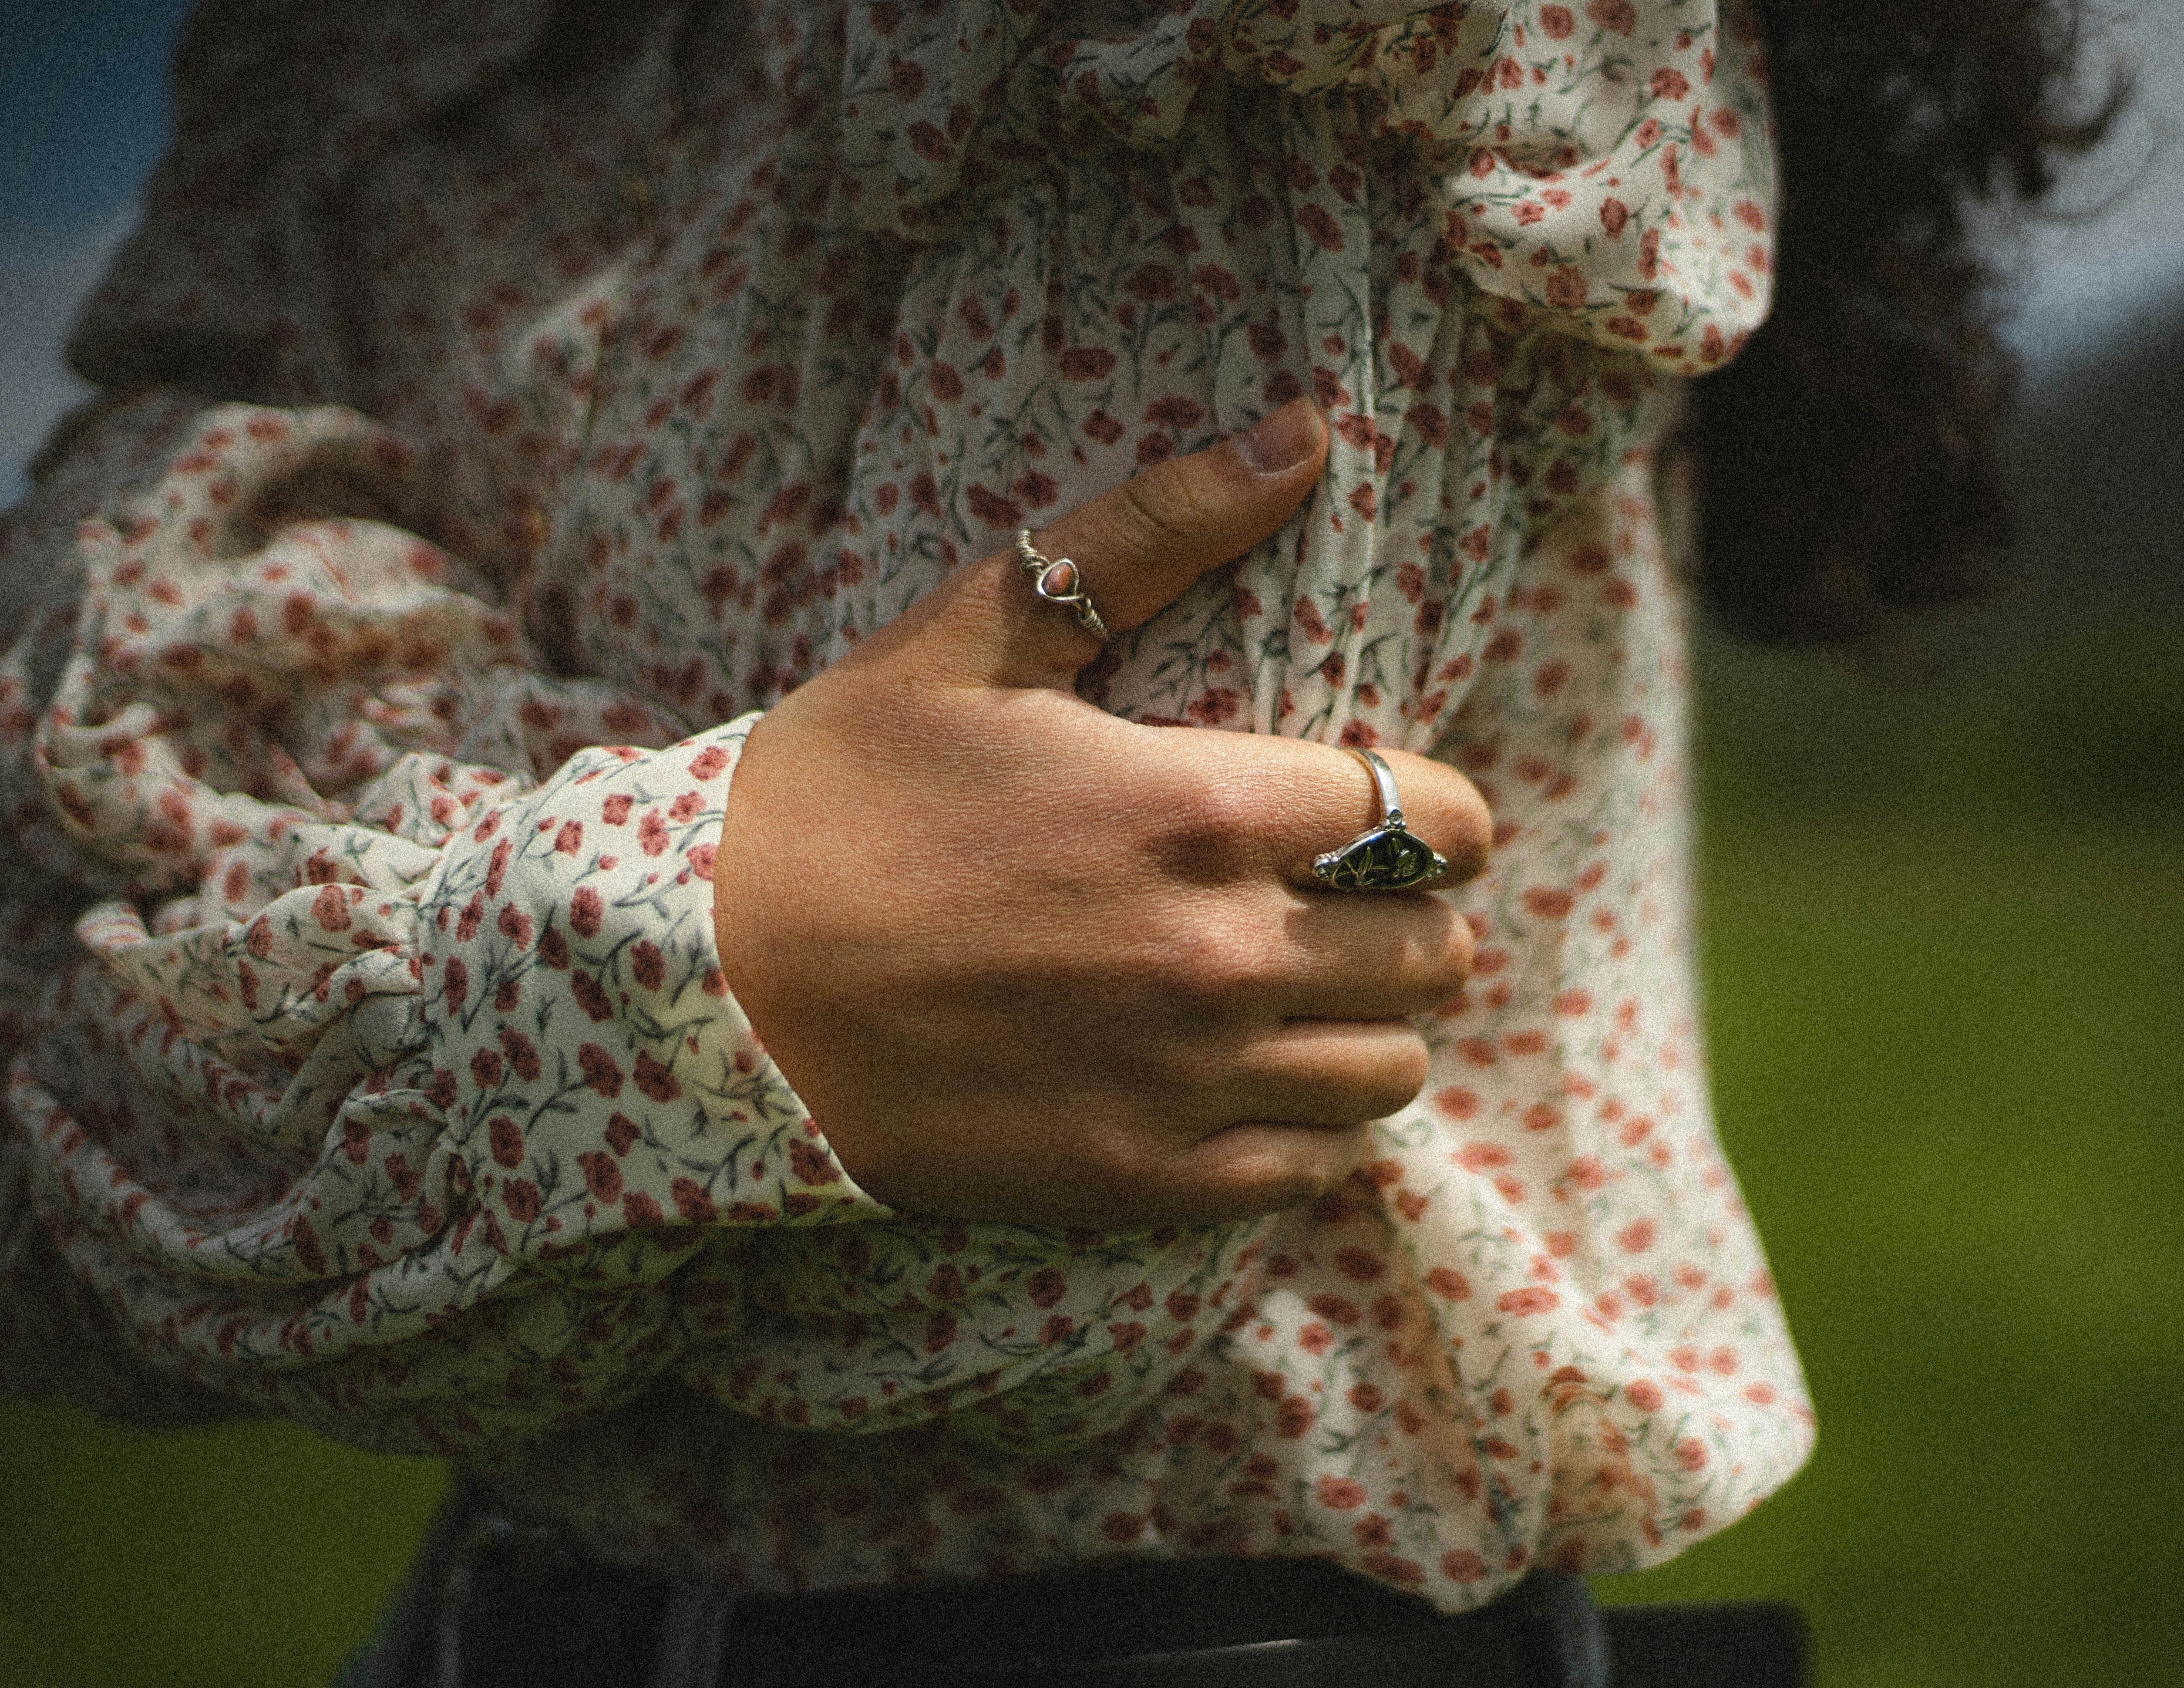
[1943, 887]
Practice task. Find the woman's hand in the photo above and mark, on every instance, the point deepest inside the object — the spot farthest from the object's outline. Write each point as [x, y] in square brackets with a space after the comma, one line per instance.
[1027, 961]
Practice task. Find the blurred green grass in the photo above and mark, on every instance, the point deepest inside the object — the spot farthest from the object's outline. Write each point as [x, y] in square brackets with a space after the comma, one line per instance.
[1944, 948]
[1944, 932]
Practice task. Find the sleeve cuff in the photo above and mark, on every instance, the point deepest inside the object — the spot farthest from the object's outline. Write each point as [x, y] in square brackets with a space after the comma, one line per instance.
[597, 1076]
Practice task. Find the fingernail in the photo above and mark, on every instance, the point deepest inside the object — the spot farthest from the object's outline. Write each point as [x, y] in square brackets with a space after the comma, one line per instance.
[1283, 440]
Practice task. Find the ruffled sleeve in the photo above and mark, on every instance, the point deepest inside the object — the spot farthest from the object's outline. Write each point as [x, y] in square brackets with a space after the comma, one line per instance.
[400, 1074]
[1611, 162]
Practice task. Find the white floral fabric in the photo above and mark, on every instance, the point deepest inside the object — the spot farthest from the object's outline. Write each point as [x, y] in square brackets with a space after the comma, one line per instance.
[503, 406]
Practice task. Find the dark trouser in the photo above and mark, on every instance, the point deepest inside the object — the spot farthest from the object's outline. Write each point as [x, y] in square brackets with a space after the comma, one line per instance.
[489, 1606]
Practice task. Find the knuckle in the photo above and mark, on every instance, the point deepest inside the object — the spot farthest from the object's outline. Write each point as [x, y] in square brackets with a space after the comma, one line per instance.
[1144, 515]
[1445, 954]
[1433, 956]
[1299, 1167]
[1181, 1073]
[1462, 949]
[1119, 1157]
[1175, 500]
[1209, 833]
[1214, 965]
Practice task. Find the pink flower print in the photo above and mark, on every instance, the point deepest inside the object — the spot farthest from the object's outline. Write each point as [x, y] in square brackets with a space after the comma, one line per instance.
[1620, 16]
[1213, 279]
[602, 1175]
[1565, 287]
[1360, 1266]
[810, 1165]
[330, 909]
[1152, 283]
[1319, 227]
[1086, 363]
[592, 998]
[991, 507]
[654, 1079]
[522, 1054]
[601, 1071]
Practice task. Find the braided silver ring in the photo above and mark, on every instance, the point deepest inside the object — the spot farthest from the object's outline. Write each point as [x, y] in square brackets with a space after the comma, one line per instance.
[1385, 857]
[1058, 581]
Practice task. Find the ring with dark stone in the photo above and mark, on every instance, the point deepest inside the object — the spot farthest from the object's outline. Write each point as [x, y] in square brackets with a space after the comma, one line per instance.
[1385, 857]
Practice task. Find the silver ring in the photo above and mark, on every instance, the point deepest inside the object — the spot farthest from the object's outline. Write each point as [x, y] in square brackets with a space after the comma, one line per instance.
[1058, 582]
[1386, 857]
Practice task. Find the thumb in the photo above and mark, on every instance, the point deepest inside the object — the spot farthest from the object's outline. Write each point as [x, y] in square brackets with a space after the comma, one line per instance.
[1136, 548]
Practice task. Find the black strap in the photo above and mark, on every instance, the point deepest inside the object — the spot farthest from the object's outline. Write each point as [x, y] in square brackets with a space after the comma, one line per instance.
[529, 1614]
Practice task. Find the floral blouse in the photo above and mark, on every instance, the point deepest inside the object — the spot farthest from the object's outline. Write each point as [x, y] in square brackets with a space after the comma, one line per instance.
[505, 404]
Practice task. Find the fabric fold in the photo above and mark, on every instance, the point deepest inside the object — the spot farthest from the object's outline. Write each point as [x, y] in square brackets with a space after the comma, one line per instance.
[1587, 152]
[403, 1041]
[387, 1085]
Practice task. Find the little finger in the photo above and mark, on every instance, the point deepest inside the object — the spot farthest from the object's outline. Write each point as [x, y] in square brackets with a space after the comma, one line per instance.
[1325, 1073]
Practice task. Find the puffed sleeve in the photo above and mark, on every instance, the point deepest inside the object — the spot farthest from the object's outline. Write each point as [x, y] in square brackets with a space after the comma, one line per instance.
[1609, 162]
[371, 1061]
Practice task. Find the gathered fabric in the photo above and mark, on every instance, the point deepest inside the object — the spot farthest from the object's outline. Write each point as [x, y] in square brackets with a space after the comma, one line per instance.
[506, 405]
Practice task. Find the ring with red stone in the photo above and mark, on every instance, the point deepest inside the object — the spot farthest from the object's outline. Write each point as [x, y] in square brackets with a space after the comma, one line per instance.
[1058, 581]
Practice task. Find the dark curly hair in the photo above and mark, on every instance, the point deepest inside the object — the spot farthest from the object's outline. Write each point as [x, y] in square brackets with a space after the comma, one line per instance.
[1846, 459]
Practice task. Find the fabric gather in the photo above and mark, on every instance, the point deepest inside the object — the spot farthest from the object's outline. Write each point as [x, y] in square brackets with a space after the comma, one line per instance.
[494, 428]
